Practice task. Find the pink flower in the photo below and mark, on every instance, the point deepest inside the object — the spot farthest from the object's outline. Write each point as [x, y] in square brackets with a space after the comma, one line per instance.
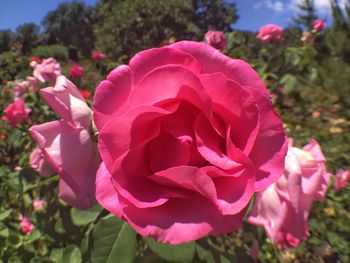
[186, 135]
[33, 83]
[16, 112]
[270, 33]
[19, 89]
[48, 70]
[318, 25]
[26, 225]
[67, 145]
[216, 39]
[38, 163]
[38, 205]
[76, 72]
[98, 55]
[316, 114]
[343, 178]
[283, 208]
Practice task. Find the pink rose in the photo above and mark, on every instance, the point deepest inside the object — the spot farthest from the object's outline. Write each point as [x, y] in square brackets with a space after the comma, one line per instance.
[19, 89]
[270, 33]
[16, 112]
[76, 72]
[38, 163]
[216, 39]
[98, 55]
[33, 83]
[343, 178]
[318, 25]
[187, 135]
[67, 145]
[26, 225]
[48, 70]
[38, 205]
[283, 208]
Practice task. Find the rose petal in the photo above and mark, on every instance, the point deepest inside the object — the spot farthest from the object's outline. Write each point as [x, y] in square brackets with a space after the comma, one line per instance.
[213, 60]
[145, 61]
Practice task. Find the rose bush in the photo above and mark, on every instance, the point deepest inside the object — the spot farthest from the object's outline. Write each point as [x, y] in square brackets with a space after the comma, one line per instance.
[283, 208]
[187, 135]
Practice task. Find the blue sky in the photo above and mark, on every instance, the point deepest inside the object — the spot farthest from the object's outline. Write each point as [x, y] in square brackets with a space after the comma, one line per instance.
[253, 13]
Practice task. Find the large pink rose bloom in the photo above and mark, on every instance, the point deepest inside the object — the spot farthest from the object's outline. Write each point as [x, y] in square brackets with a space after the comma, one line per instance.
[16, 112]
[283, 208]
[186, 135]
[67, 145]
[270, 33]
[48, 70]
[318, 25]
[216, 39]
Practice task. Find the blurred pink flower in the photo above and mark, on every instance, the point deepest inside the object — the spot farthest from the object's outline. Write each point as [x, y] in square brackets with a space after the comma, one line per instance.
[216, 39]
[33, 83]
[283, 208]
[319, 25]
[38, 205]
[16, 112]
[76, 71]
[342, 179]
[26, 225]
[270, 33]
[19, 89]
[316, 114]
[38, 163]
[67, 144]
[48, 70]
[98, 55]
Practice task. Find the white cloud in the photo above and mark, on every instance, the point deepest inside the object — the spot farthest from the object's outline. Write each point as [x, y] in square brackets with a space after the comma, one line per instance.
[274, 5]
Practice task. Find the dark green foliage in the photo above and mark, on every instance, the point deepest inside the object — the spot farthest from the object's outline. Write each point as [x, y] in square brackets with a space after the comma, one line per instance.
[6, 38]
[57, 51]
[126, 27]
[27, 35]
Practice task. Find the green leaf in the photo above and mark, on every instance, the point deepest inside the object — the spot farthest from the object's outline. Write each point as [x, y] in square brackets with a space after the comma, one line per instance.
[289, 82]
[204, 255]
[173, 253]
[81, 218]
[113, 241]
[5, 214]
[71, 254]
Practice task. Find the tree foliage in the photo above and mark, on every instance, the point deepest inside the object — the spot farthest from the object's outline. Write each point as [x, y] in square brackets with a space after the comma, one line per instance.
[125, 27]
[27, 34]
[306, 15]
[71, 25]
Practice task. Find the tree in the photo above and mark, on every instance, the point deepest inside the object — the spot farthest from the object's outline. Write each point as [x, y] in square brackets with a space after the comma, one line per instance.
[27, 35]
[6, 38]
[216, 14]
[306, 15]
[339, 21]
[71, 25]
